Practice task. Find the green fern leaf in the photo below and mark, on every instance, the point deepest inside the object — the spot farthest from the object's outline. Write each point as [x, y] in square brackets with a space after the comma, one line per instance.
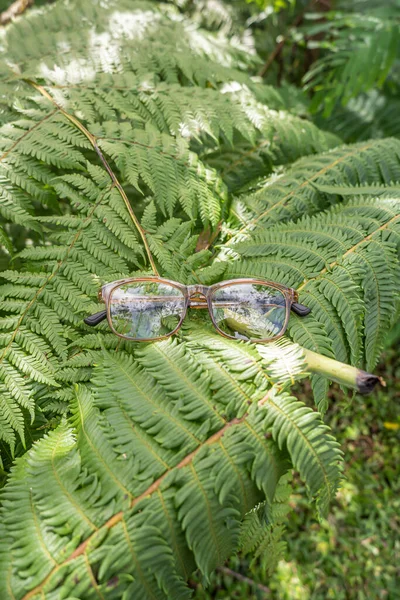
[314, 454]
[112, 480]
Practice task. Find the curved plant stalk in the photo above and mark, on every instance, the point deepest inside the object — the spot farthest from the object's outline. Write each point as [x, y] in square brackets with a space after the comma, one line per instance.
[15, 9]
[288, 362]
[93, 140]
[344, 374]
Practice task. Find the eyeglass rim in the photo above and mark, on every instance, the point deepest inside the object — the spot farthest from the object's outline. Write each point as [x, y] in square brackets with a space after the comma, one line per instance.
[175, 284]
[289, 294]
[105, 294]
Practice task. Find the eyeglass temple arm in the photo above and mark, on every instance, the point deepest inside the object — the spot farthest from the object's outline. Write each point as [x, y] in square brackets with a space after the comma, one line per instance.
[300, 309]
[93, 320]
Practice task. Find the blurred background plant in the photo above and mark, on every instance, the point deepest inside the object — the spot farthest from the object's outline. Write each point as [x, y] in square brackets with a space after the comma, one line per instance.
[336, 62]
[343, 55]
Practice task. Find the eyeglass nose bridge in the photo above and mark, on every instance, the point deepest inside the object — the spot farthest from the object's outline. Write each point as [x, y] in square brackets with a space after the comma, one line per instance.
[197, 296]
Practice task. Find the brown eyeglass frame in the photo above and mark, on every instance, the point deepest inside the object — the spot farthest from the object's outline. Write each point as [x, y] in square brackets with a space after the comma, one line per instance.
[196, 296]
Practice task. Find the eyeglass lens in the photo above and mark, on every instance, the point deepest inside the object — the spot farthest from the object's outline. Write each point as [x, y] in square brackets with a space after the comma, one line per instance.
[249, 311]
[146, 310]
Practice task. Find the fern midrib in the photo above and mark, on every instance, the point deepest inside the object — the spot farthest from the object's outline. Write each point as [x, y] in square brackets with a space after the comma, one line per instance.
[23, 136]
[62, 486]
[209, 511]
[175, 544]
[9, 588]
[99, 457]
[267, 400]
[286, 361]
[51, 276]
[235, 383]
[378, 295]
[302, 185]
[92, 578]
[237, 471]
[321, 234]
[309, 333]
[39, 532]
[135, 560]
[292, 244]
[93, 140]
[356, 341]
[117, 517]
[262, 443]
[159, 408]
[181, 375]
[339, 331]
[349, 251]
[137, 431]
[278, 261]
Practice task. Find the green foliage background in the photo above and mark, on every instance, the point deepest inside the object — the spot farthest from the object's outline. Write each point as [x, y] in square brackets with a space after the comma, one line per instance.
[354, 553]
[185, 138]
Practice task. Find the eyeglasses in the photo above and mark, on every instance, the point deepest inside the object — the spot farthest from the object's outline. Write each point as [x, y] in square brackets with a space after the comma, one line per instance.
[147, 309]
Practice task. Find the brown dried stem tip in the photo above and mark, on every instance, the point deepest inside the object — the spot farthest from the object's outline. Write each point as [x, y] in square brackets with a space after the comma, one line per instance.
[344, 374]
[15, 9]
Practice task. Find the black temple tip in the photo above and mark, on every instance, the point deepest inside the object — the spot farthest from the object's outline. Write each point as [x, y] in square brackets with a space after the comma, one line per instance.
[300, 309]
[96, 319]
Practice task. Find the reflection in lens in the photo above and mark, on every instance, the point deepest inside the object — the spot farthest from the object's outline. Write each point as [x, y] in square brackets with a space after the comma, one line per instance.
[146, 309]
[249, 311]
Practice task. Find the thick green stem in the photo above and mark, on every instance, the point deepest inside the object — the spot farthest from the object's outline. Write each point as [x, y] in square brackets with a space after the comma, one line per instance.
[344, 374]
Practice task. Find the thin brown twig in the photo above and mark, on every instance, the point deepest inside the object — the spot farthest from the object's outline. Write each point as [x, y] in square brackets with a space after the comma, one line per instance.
[15, 9]
[93, 140]
[278, 48]
[245, 579]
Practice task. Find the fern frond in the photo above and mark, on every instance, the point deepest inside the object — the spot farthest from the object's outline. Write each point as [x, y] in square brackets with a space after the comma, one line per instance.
[335, 259]
[374, 114]
[58, 290]
[170, 108]
[283, 138]
[118, 146]
[168, 169]
[160, 37]
[283, 361]
[261, 531]
[314, 454]
[296, 192]
[117, 471]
